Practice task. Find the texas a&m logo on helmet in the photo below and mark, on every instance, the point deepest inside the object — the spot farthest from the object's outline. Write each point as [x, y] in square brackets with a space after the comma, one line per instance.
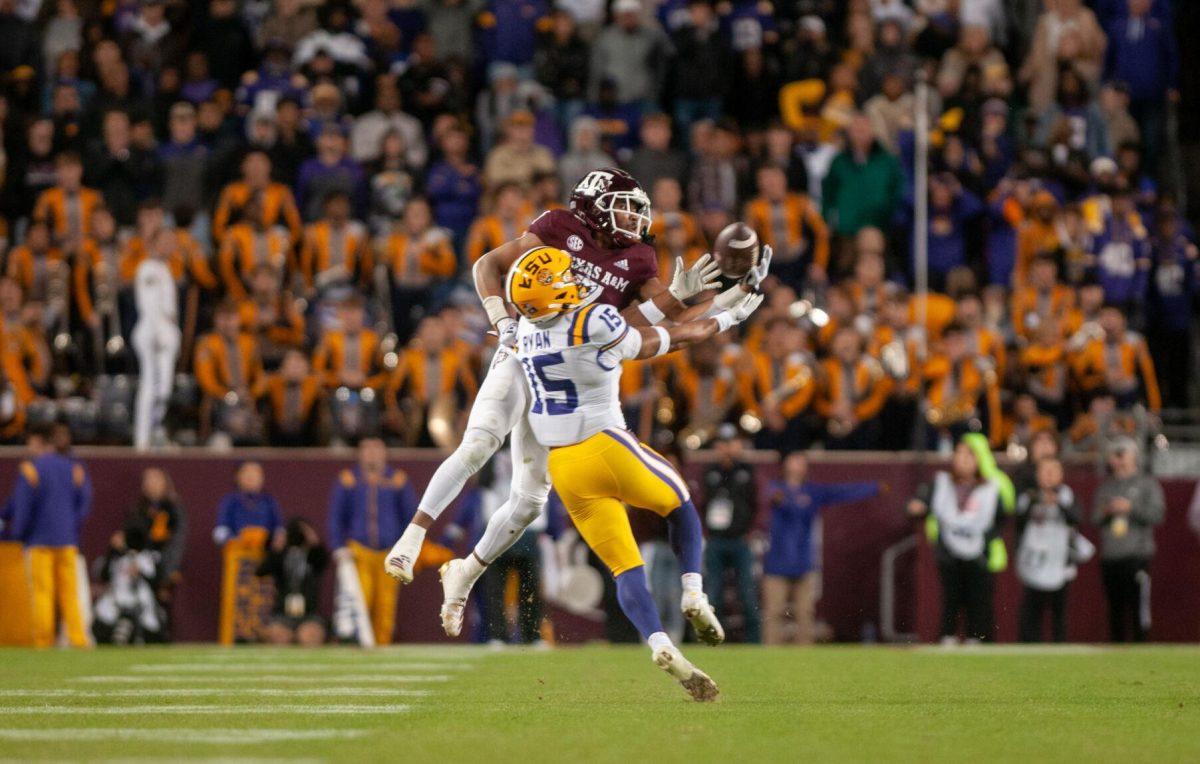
[610, 200]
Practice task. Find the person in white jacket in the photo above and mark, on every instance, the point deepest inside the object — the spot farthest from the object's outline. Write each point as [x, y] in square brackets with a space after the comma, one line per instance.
[156, 336]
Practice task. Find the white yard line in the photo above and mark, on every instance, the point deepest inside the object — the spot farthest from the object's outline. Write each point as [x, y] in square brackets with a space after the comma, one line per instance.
[327, 708]
[174, 736]
[281, 666]
[195, 692]
[342, 678]
[1003, 650]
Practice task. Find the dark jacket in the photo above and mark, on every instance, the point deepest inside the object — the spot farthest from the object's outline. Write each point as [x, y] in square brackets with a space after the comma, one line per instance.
[730, 500]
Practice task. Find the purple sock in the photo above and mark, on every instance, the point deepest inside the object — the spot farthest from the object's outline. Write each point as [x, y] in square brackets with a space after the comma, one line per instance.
[687, 537]
[634, 596]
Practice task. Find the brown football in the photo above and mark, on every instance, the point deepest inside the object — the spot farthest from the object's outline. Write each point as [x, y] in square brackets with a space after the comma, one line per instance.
[736, 250]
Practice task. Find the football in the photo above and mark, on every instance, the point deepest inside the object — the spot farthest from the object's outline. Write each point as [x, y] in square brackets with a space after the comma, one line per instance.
[736, 250]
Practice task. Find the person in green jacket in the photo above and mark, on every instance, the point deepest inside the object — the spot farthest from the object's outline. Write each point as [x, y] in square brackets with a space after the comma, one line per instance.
[864, 185]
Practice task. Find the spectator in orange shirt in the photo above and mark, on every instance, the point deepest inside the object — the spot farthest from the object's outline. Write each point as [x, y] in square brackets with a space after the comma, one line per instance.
[97, 276]
[868, 285]
[983, 339]
[852, 394]
[962, 393]
[781, 387]
[1046, 371]
[1025, 422]
[249, 245]
[1036, 236]
[230, 375]
[790, 223]
[896, 345]
[703, 389]
[336, 250]
[67, 207]
[421, 262]
[272, 317]
[427, 394]
[1120, 362]
[295, 403]
[1041, 298]
[22, 334]
[37, 264]
[350, 356]
[509, 216]
[277, 206]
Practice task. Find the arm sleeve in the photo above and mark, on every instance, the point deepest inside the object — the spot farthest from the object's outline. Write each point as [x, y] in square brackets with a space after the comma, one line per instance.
[614, 339]
[22, 500]
[224, 526]
[840, 493]
[1152, 508]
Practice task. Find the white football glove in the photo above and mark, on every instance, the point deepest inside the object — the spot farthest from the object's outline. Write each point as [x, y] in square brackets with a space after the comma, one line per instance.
[756, 275]
[506, 330]
[702, 276]
[740, 311]
[746, 306]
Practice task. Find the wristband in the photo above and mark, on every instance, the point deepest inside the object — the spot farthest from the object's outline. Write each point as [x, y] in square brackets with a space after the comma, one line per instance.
[664, 341]
[724, 321]
[495, 309]
[651, 312]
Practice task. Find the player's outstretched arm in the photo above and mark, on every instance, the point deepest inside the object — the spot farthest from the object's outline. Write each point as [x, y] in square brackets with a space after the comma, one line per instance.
[663, 305]
[489, 272]
[659, 340]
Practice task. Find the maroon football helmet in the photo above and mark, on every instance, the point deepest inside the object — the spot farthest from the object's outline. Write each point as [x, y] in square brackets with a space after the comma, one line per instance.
[610, 200]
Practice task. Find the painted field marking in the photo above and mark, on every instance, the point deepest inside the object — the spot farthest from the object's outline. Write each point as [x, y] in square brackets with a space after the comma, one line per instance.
[171, 736]
[278, 666]
[1004, 650]
[268, 679]
[326, 708]
[196, 692]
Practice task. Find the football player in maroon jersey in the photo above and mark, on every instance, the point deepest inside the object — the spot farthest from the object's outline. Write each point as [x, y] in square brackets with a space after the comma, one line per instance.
[603, 231]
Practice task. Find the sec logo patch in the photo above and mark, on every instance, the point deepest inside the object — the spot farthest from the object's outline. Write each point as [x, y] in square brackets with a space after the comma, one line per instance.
[574, 243]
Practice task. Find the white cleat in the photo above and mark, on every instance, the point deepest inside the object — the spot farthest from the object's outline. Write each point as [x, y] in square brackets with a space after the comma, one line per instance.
[399, 562]
[456, 585]
[700, 614]
[697, 684]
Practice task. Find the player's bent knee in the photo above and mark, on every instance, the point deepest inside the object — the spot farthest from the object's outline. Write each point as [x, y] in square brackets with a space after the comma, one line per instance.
[619, 555]
[477, 447]
[527, 507]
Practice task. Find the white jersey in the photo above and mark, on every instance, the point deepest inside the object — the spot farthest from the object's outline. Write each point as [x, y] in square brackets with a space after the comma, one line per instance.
[154, 293]
[573, 371]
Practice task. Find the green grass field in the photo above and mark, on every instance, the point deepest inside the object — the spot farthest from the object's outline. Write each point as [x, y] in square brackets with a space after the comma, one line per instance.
[416, 704]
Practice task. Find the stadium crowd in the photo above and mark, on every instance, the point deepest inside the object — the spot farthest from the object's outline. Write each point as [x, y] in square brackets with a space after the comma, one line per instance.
[268, 211]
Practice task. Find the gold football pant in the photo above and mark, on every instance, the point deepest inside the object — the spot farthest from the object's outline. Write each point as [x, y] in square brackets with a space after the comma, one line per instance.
[53, 571]
[596, 479]
[379, 590]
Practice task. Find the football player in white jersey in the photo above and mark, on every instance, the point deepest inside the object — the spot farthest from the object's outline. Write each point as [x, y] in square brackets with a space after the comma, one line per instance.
[572, 358]
[609, 216]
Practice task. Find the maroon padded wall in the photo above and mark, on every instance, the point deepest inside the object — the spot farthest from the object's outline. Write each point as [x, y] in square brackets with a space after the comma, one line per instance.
[854, 538]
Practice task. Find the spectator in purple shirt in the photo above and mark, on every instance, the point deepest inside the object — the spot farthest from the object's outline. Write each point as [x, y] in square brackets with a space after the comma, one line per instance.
[1142, 53]
[454, 186]
[790, 565]
[328, 172]
[508, 30]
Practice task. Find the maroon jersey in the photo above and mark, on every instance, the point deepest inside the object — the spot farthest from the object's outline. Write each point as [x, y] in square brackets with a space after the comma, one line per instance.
[612, 276]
